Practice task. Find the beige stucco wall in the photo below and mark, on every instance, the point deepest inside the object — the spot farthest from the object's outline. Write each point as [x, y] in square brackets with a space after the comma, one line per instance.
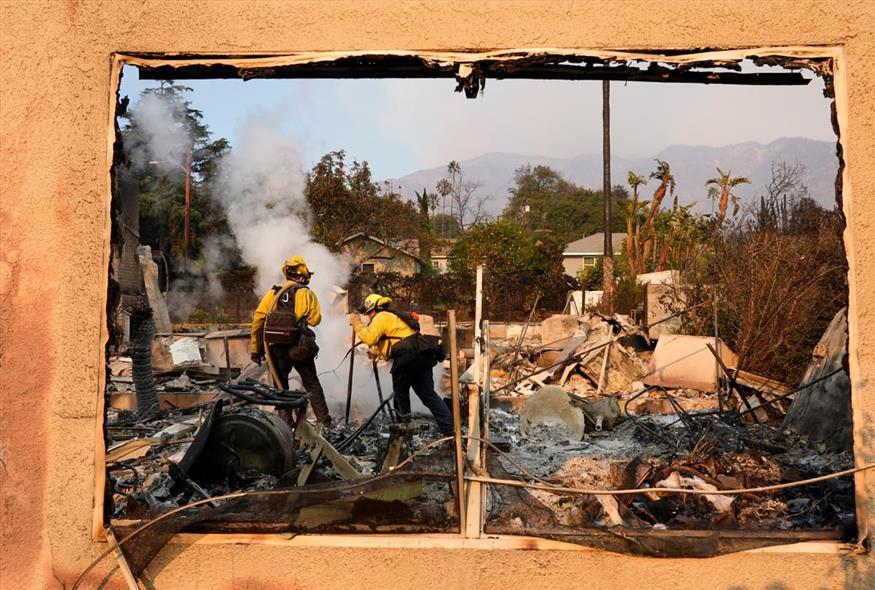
[53, 218]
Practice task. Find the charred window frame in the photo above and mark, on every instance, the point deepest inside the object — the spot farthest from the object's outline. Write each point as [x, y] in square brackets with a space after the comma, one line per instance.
[471, 72]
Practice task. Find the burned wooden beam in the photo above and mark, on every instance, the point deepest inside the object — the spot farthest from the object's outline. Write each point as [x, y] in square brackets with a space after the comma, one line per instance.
[531, 68]
[668, 543]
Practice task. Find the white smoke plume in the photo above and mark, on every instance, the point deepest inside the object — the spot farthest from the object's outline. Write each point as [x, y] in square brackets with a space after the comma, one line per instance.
[201, 285]
[167, 137]
[262, 186]
[165, 142]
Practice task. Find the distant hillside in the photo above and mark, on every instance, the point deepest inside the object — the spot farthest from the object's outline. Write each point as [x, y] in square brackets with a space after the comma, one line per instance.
[692, 166]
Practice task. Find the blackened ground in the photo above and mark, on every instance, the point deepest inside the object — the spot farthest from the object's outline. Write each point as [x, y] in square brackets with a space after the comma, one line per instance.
[725, 455]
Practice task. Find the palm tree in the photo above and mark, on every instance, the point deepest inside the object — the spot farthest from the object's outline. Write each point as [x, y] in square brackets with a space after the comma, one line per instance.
[666, 184]
[634, 211]
[725, 183]
[636, 181]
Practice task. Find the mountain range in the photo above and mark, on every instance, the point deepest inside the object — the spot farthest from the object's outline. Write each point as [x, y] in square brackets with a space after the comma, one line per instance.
[691, 166]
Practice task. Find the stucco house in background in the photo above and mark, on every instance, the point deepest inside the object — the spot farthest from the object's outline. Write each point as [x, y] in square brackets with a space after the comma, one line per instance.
[440, 256]
[584, 253]
[368, 254]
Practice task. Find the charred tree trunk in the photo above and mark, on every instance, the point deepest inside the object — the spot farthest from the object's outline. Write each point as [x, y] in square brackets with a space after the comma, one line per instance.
[142, 334]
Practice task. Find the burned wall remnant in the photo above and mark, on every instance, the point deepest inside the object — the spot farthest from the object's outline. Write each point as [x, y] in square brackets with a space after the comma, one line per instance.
[53, 211]
[821, 410]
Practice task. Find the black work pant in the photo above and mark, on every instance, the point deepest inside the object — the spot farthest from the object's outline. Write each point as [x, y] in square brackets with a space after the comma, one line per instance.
[307, 370]
[418, 375]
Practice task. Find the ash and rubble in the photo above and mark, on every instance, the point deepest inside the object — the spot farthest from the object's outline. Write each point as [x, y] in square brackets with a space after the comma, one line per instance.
[660, 417]
[170, 459]
[630, 456]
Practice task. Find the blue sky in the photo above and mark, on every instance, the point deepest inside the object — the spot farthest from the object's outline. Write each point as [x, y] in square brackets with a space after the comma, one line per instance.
[400, 126]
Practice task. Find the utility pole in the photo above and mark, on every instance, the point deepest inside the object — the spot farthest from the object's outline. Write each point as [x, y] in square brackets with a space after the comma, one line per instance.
[608, 260]
[186, 234]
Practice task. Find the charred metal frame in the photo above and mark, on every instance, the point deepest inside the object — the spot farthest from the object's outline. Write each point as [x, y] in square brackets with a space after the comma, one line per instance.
[470, 70]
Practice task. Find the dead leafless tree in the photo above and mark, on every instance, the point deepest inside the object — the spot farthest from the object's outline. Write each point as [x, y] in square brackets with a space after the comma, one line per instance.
[776, 276]
[466, 204]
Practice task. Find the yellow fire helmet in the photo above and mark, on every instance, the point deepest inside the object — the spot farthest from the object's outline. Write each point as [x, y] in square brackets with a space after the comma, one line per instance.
[296, 265]
[375, 301]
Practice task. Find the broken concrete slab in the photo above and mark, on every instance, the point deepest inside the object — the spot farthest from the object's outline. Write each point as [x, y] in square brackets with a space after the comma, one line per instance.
[561, 326]
[822, 411]
[622, 368]
[681, 361]
[551, 408]
[661, 303]
[185, 351]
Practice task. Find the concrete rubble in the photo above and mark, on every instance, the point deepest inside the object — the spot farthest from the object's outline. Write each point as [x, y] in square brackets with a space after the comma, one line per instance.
[678, 415]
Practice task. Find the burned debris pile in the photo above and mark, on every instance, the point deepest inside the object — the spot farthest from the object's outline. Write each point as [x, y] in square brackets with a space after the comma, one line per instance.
[583, 403]
[228, 432]
[596, 407]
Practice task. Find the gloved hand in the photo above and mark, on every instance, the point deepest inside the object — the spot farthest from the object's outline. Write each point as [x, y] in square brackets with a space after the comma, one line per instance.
[354, 319]
[257, 357]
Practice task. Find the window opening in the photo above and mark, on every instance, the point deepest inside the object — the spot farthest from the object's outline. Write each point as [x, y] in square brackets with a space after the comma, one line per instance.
[562, 389]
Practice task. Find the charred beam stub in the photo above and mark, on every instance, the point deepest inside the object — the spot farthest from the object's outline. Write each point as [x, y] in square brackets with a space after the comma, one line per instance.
[142, 334]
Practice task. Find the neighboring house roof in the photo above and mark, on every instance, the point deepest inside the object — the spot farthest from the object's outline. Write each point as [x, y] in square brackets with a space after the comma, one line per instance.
[408, 246]
[399, 246]
[594, 245]
[443, 248]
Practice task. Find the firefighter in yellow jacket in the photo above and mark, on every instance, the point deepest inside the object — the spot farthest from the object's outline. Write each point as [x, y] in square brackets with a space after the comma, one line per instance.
[390, 333]
[291, 345]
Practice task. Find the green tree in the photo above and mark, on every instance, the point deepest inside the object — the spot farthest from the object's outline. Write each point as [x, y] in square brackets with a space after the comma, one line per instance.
[547, 251]
[446, 226]
[344, 200]
[501, 245]
[542, 200]
[678, 232]
[336, 195]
